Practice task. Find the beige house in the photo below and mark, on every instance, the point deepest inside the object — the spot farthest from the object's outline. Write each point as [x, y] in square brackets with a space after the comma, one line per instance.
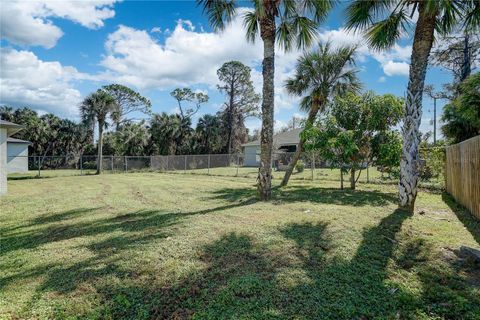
[7, 129]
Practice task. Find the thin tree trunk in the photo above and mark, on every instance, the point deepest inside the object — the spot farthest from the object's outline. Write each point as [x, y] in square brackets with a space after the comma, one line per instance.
[352, 177]
[267, 26]
[100, 148]
[422, 44]
[311, 118]
[341, 177]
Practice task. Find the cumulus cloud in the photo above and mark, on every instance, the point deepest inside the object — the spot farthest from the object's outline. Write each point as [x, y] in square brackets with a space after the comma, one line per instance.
[26, 80]
[393, 61]
[28, 22]
[396, 68]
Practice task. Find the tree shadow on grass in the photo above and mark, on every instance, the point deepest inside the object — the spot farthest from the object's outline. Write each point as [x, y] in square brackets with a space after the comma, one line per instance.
[311, 194]
[245, 279]
[468, 220]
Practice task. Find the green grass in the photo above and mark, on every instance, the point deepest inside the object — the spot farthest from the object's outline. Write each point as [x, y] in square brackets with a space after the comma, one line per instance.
[151, 245]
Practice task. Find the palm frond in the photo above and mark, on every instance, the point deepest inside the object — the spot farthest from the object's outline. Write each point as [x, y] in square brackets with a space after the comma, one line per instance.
[362, 13]
[251, 25]
[219, 12]
[385, 33]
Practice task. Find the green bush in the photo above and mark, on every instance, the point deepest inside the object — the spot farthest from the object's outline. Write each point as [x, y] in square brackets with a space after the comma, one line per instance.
[300, 166]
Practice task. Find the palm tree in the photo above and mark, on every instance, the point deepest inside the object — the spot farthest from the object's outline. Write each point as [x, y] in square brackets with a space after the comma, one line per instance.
[209, 133]
[285, 21]
[99, 105]
[320, 76]
[384, 22]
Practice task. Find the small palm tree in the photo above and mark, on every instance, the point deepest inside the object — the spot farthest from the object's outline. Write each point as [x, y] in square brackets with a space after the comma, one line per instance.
[286, 22]
[384, 22]
[319, 77]
[99, 105]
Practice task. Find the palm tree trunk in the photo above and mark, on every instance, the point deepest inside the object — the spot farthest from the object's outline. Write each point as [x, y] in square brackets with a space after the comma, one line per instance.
[311, 118]
[264, 187]
[422, 44]
[100, 148]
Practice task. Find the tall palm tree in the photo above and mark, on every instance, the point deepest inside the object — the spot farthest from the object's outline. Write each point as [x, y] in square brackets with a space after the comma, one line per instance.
[285, 21]
[321, 75]
[99, 105]
[209, 133]
[384, 22]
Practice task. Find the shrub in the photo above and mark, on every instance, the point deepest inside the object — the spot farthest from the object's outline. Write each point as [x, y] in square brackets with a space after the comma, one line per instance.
[300, 166]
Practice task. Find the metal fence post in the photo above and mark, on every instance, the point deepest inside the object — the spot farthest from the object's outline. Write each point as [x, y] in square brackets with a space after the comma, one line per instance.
[208, 169]
[38, 164]
[81, 165]
[125, 160]
[166, 169]
[111, 158]
[185, 169]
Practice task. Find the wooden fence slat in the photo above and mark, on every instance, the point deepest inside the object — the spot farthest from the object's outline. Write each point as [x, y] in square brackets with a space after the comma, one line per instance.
[462, 173]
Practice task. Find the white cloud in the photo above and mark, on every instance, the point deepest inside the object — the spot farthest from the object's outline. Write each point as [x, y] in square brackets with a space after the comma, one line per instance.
[382, 79]
[392, 61]
[396, 68]
[28, 22]
[156, 30]
[26, 80]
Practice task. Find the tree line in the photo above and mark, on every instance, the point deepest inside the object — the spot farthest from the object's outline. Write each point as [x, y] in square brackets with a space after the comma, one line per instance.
[109, 125]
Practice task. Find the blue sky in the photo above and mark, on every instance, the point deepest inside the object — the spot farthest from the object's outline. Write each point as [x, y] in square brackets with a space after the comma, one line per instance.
[55, 53]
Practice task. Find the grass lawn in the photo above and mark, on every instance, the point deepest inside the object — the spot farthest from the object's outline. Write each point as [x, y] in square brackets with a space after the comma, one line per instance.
[152, 245]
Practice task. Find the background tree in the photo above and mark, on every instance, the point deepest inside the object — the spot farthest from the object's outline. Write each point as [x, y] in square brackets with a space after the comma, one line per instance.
[170, 133]
[386, 151]
[320, 76]
[128, 102]
[288, 23]
[242, 102]
[385, 21]
[462, 115]
[99, 105]
[209, 134]
[186, 95]
[345, 136]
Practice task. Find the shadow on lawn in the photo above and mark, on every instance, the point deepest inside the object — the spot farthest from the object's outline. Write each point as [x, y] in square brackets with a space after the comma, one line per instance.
[472, 225]
[246, 279]
[312, 194]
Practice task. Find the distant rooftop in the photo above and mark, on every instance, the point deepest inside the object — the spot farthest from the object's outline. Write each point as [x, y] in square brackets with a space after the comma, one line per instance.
[15, 140]
[291, 137]
[11, 127]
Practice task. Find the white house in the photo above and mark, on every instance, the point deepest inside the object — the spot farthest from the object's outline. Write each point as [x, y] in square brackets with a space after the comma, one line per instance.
[6, 130]
[17, 155]
[282, 142]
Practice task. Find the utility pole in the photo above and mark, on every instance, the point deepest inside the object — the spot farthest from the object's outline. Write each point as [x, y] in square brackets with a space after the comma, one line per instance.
[435, 120]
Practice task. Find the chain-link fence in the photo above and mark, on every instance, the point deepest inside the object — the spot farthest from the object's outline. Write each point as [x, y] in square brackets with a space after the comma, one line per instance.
[310, 166]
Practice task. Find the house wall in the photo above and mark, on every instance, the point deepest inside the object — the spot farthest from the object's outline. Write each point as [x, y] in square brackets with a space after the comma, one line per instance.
[3, 161]
[17, 160]
[251, 156]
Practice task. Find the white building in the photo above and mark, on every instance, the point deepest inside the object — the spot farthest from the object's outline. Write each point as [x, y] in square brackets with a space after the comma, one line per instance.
[282, 142]
[17, 155]
[6, 130]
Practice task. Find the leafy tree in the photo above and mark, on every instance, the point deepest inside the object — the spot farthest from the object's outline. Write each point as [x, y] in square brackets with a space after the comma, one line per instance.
[462, 115]
[384, 21]
[128, 102]
[209, 134]
[320, 76]
[286, 22]
[386, 150]
[170, 133]
[129, 139]
[99, 105]
[183, 95]
[344, 137]
[242, 101]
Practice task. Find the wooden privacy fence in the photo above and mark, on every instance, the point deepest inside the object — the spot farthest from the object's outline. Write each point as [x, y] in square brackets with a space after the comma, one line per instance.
[462, 173]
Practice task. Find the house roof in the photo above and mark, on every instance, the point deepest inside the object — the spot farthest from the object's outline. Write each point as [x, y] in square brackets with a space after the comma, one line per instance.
[11, 127]
[15, 140]
[291, 137]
